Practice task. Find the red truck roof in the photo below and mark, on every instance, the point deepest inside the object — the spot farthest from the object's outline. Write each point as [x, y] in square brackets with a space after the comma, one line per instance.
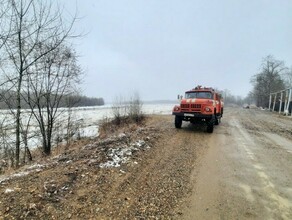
[200, 88]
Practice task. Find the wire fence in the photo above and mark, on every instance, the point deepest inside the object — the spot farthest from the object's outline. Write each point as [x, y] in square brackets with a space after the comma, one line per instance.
[281, 101]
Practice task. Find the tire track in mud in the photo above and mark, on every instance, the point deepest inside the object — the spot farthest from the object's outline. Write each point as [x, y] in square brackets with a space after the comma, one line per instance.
[243, 175]
[204, 203]
[275, 204]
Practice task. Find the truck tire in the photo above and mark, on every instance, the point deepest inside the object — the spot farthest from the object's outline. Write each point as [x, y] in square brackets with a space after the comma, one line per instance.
[178, 121]
[210, 125]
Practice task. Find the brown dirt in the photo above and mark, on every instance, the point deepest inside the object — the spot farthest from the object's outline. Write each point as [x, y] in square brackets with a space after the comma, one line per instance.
[73, 186]
[241, 171]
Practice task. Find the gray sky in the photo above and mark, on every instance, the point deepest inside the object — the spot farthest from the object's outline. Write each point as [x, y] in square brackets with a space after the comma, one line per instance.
[162, 48]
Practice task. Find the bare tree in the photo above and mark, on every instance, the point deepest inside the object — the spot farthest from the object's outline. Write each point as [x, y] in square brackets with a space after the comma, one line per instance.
[49, 81]
[287, 76]
[268, 80]
[119, 109]
[33, 24]
[5, 27]
[135, 108]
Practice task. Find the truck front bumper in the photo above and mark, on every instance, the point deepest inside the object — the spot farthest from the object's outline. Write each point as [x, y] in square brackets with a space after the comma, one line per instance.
[192, 115]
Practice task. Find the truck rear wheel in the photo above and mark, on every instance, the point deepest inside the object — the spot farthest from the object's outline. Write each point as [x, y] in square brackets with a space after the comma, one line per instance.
[178, 121]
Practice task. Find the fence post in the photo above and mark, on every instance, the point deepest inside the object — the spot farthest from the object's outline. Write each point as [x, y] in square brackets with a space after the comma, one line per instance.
[280, 108]
[289, 100]
[274, 101]
[288, 104]
[270, 101]
[285, 104]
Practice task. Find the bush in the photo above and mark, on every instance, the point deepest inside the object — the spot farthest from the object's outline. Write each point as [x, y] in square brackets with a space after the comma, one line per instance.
[135, 108]
[127, 110]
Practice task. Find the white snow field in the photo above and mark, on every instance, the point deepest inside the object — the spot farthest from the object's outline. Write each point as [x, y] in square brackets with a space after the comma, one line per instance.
[86, 121]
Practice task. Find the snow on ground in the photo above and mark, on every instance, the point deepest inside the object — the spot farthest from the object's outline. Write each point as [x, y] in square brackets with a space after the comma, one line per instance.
[86, 121]
[90, 117]
[122, 154]
[25, 172]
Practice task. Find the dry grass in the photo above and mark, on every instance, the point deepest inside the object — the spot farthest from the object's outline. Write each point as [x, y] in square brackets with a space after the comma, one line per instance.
[124, 124]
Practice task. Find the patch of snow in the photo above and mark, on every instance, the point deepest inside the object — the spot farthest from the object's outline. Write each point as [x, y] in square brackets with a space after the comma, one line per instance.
[140, 143]
[20, 174]
[8, 191]
[161, 109]
[36, 166]
[117, 156]
[33, 168]
[120, 155]
[122, 135]
[3, 179]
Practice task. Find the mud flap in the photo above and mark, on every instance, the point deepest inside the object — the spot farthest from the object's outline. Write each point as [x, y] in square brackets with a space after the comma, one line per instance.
[217, 120]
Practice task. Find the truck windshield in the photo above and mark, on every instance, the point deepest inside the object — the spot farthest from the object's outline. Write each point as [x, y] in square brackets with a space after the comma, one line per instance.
[202, 95]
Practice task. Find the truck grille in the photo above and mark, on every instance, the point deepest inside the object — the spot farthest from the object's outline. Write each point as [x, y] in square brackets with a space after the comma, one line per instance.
[185, 105]
[193, 106]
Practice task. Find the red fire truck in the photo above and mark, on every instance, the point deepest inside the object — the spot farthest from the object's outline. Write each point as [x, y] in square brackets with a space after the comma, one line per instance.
[200, 105]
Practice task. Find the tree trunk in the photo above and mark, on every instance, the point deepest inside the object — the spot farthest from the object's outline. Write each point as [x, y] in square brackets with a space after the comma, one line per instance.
[17, 143]
[46, 148]
[49, 141]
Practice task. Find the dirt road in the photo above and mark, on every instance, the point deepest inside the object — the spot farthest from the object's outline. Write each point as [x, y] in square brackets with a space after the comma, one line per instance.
[241, 171]
[246, 172]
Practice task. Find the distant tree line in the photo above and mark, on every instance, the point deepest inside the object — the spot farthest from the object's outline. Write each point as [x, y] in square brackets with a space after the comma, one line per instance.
[65, 100]
[78, 100]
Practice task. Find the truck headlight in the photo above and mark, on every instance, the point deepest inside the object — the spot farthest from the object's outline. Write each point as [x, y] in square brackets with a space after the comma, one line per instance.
[176, 108]
[207, 109]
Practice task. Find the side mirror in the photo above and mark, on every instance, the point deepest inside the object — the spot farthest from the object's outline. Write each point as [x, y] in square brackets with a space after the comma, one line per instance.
[179, 97]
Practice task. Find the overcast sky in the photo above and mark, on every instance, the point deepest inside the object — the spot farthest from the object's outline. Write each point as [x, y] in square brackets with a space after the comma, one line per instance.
[161, 48]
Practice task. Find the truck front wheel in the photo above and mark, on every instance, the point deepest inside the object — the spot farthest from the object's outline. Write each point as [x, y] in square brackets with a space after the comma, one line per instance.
[178, 121]
[210, 126]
